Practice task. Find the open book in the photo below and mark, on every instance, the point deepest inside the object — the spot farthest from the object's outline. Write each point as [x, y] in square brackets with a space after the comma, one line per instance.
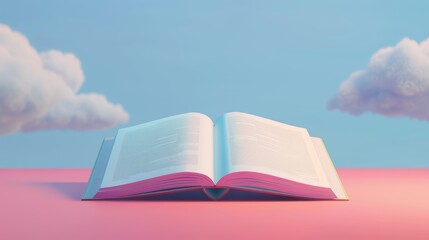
[189, 152]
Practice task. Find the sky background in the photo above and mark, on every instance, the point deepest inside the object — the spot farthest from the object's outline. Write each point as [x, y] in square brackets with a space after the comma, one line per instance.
[282, 60]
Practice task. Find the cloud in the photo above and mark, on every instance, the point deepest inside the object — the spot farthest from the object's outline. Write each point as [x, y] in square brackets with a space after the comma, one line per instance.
[395, 83]
[40, 90]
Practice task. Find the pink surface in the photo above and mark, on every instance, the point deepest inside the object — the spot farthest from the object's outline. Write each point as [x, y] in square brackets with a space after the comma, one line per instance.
[44, 204]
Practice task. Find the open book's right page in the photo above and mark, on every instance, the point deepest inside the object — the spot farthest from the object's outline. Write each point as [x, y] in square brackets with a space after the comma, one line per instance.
[250, 143]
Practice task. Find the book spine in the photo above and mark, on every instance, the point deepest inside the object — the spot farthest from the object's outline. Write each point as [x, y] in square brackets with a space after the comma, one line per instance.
[99, 169]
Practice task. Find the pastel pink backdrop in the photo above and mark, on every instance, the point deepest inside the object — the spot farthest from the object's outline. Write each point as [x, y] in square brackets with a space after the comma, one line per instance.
[45, 204]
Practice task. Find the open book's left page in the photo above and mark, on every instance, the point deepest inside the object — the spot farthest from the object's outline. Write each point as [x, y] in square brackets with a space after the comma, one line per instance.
[182, 143]
[168, 153]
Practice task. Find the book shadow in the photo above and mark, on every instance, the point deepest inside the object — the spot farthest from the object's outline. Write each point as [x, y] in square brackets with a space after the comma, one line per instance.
[75, 190]
[70, 190]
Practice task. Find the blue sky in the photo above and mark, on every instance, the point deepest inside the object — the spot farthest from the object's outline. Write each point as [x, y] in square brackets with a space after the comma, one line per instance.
[282, 60]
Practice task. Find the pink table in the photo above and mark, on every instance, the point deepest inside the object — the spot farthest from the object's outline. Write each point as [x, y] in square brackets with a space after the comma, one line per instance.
[45, 204]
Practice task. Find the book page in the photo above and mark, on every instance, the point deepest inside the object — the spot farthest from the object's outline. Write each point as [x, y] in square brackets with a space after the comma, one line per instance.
[329, 168]
[251, 143]
[182, 143]
[99, 169]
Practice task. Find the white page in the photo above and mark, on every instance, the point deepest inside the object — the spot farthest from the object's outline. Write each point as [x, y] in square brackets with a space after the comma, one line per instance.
[182, 143]
[261, 145]
[329, 169]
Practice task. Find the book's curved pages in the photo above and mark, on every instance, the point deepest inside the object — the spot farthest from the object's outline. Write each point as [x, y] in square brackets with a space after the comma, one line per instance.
[238, 153]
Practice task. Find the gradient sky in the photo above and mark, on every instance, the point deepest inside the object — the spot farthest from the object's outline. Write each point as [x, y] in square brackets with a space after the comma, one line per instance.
[282, 60]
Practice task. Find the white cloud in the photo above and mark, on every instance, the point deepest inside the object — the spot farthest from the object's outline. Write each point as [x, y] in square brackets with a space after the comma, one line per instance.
[40, 90]
[66, 65]
[395, 83]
